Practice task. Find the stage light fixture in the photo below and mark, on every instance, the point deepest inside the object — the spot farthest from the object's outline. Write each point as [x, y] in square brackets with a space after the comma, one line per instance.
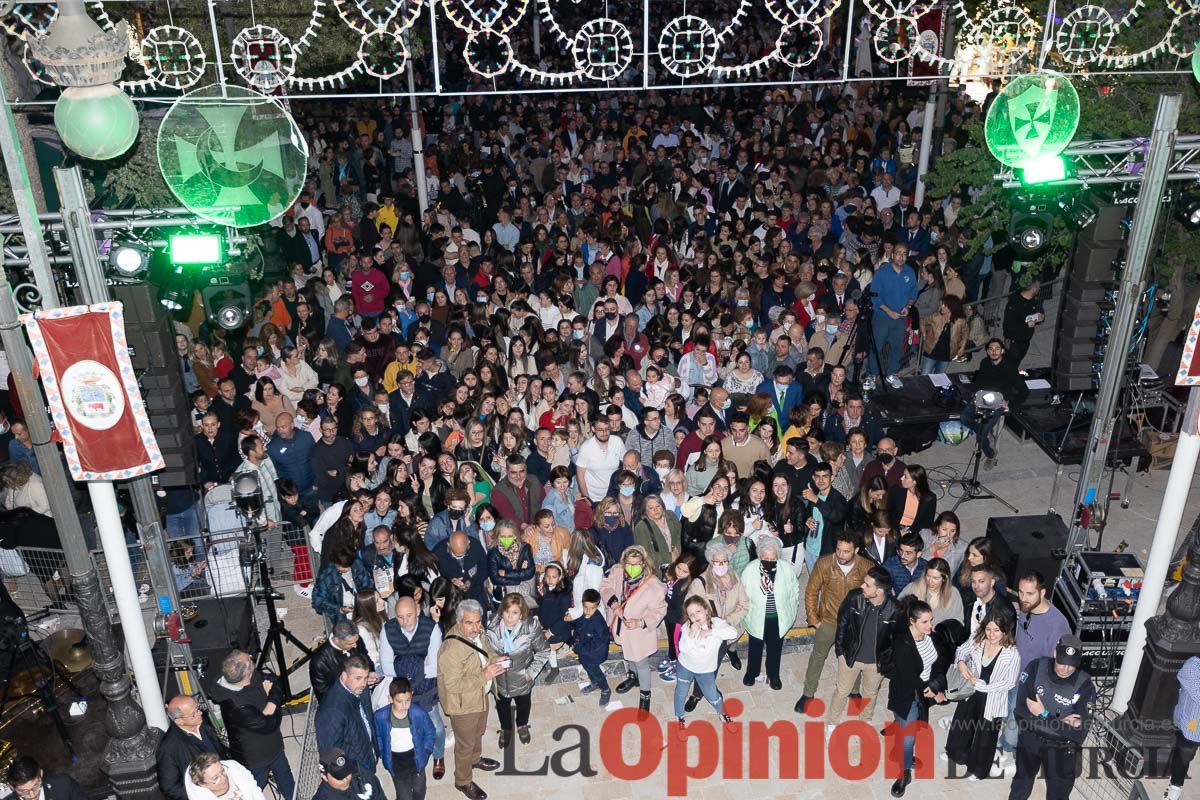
[1030, 231]
[1077, 212]
[988, 400]
[128, 262]
[247, 493]
[1188, 211]
[1045, 169]
[227, 301]
[195, 249]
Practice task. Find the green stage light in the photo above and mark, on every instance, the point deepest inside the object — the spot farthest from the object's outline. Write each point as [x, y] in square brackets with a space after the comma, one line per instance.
[195, 248]
[1046, 169]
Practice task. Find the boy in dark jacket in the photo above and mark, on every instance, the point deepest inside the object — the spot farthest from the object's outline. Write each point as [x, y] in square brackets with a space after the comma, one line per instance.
[414, 730]
[591, 645]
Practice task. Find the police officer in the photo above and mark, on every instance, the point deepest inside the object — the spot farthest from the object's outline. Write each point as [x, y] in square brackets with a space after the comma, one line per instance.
[341, 779]
[1055, 702]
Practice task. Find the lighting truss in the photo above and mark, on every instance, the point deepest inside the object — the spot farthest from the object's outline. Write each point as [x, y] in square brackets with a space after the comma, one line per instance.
[1117, 161]
[615, 48]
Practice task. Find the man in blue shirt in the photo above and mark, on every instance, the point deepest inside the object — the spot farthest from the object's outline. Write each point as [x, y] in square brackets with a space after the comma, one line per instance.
[895, 287]
[289, 450]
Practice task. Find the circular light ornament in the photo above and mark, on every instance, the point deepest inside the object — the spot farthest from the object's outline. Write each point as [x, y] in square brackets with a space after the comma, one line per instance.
[96, 122]
[384, 54]
[799, 44]
[688, 46]
[488, 53]
[895, 38]
[237, 159]
[263, 57]
[1084, 35]
[1034, 116]
[603, 49]
[173, 57]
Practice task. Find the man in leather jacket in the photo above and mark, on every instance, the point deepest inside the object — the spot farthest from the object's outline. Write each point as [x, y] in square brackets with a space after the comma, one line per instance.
[866, 621]
[327, 660]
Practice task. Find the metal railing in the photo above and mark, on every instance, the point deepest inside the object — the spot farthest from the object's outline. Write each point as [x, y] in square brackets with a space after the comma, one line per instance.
[308, 774]
[219, 564]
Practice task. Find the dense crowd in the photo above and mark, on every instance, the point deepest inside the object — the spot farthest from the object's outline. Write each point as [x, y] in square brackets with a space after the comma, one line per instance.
[611, 389]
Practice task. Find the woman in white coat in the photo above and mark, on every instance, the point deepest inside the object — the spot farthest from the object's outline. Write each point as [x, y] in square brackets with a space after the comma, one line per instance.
[989, 663]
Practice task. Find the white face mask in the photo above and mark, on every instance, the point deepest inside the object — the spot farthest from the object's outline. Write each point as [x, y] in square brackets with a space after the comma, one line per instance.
[662, 472]
[383, 407]
[720, 570]
[361, 381]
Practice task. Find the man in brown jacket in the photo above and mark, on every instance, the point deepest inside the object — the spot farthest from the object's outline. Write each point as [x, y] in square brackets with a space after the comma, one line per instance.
[466, 667]
[833, 577]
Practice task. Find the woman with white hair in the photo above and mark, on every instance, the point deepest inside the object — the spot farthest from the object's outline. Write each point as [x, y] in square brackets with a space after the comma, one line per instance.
[774, 596]
[210, 778]
[726, 596]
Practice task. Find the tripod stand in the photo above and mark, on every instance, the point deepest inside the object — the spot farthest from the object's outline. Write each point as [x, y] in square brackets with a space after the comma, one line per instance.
[972, 488]
[276, 630]
[24, 652]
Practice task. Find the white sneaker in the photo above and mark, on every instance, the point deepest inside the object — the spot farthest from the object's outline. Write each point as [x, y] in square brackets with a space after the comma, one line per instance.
[972, 778]
[303, 591]
[1172, 792]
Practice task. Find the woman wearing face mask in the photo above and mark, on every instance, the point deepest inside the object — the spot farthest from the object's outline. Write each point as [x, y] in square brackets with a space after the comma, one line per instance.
[610, 533]
[636, 601]
[774, 596]
[629, 501]
[657, 533]
[510, 565]
[722, 589]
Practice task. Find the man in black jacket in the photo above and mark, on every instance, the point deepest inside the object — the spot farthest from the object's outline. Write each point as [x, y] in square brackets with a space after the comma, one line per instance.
[226, 405]
[188, 736]
[28, 782]
[250, 706]
[327, 660]
[344, 716]
[1055, 703]
[216, 452]
[996, 373]
[1022, 314]
[866, 622]
[829, 508]
[987, 600]
[463, 561]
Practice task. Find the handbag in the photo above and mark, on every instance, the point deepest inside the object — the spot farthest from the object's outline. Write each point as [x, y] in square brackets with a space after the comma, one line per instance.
[958, 688]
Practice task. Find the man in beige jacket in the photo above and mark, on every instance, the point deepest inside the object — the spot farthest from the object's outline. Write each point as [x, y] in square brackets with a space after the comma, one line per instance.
[466, 667]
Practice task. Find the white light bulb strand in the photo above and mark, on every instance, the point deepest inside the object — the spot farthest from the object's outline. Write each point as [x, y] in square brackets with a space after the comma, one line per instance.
[323, 82]
[315, 20]
[739, 14]
[547, 14]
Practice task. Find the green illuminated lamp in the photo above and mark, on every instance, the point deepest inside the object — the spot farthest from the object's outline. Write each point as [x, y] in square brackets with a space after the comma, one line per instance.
[1196, 62]
[1045, 169]
[97, 122]
[1033, 117]
[195, 248]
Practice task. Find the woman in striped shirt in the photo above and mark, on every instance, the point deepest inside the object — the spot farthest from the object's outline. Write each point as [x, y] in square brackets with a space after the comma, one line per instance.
[918, 679]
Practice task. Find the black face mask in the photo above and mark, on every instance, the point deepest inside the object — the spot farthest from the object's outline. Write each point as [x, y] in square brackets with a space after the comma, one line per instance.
[424, 319]
[611, 316]
[886, 458]
[457, 513]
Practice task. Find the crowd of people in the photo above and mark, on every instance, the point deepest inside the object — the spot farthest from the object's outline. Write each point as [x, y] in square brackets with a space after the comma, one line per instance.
[613, 389]
[610, 389]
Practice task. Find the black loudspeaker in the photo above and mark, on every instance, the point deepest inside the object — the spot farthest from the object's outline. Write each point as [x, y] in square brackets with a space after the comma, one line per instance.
[1107, 228]
[220, 625]
[1095, 261]
[1028, 542]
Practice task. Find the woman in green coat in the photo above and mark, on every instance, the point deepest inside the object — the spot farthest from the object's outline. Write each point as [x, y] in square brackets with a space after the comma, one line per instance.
[774, 601]
[658, 532]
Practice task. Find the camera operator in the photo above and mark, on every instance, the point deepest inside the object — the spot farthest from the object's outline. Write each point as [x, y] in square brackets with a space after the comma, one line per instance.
[996, 373]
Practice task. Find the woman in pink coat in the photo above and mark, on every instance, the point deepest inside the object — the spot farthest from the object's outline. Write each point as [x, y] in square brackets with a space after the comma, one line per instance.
[637, 603]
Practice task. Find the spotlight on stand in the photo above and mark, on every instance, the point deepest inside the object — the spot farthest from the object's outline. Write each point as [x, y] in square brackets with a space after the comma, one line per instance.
[247, 493]
[988, 400]
[128, 263]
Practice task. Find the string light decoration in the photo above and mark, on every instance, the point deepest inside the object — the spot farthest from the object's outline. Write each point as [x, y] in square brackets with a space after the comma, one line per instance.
[995, 41]
[1085, 33]
[687, 46]
[383, 54]
[263, 57]
[799, 44]
[173, 57]
[602, 49]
